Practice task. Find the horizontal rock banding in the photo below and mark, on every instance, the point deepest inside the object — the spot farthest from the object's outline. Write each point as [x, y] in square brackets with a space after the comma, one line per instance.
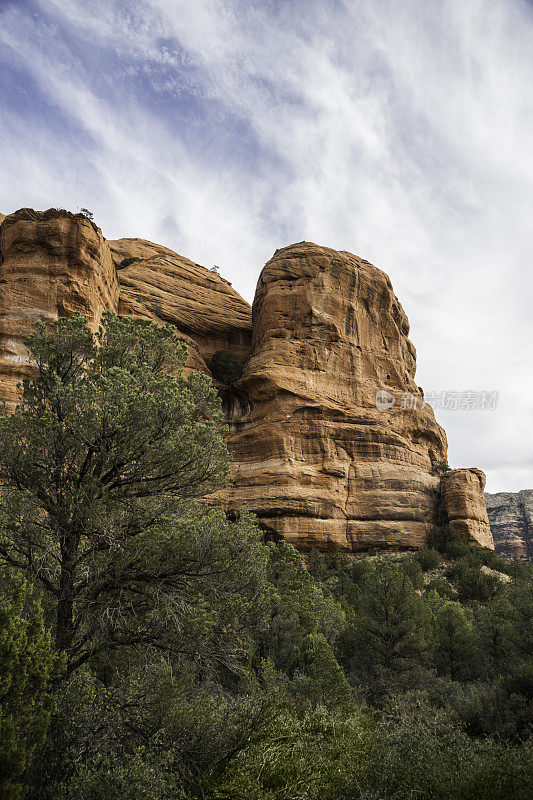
[314, 457]
[52, 263]
[511, 522]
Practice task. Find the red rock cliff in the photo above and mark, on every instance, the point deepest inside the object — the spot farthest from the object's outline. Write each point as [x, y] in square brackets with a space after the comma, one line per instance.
[314, 456]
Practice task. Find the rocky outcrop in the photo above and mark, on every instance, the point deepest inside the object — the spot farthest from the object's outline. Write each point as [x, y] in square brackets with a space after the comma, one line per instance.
[165, 287]
[463, 505]
[52, 263]
[314, 457]
[511, 522]
[332, 441]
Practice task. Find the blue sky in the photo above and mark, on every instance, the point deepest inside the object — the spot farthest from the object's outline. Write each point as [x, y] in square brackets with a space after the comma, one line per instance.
[401, 131]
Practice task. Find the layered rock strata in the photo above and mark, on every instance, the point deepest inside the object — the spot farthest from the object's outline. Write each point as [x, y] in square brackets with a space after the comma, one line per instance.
[332, 441]
[313, 455]
[463, 505]
[511, 522]
[165, 287]
[52, 263]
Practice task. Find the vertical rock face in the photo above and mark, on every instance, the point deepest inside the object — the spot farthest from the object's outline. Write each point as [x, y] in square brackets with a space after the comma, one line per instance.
[163, 286]
[511, 521]
[314, 457]
[463, 504]
[332, 441]
[52, 263]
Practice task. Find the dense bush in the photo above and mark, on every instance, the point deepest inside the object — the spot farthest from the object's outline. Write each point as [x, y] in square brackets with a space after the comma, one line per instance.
[28, 667]
[441, 586]
[411, 567]
[421, 754]
[448, 542]
[226, 367]
[428, 558]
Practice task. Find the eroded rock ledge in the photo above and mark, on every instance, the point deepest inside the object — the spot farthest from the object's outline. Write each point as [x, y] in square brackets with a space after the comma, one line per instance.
[314, 457]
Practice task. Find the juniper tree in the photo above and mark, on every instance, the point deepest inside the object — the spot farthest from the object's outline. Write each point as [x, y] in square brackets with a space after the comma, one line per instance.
[226, 367]
[103, 464]
[388, 633]
[28, 667]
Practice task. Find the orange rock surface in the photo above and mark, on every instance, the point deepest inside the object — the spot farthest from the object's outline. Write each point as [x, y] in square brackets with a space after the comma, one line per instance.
[52, 263]
[166, 287]
[463, 504]
[313, 455]
[332, 441]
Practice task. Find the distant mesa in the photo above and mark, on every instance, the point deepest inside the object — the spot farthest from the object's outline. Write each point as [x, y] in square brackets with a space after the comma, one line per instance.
[314, 457]
[511, 522]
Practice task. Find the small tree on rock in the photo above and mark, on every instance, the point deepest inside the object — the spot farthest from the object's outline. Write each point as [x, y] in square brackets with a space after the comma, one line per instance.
[226, 367]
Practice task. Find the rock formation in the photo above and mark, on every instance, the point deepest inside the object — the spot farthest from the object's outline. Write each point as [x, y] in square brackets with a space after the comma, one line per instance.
[511, 522]
[313, 455]
[165, 287]
[332, 441]
[463, 505]
[52, 263]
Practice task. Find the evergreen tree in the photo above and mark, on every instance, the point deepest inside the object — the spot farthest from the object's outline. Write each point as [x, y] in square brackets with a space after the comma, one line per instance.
[389, 633]
[226, 367]
[455, 649]
[28, 667]
[318, 677]
[297, 607]
[103, 464]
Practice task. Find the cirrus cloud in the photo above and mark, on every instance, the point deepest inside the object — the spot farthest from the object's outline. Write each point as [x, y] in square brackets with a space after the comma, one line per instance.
[399, 131]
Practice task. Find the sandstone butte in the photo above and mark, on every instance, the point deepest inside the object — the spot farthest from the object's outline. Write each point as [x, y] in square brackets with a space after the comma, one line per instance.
[314, 458]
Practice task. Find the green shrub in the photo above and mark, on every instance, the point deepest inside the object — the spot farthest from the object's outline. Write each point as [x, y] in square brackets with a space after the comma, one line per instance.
[320, 756]
[423, 755]
[316, 565]
[455, 651]
[471, 583]
[28, 667]
[449, 543]
[318, 677]
[413, 570]
[226, 367]
[440, 467]
[491, 559]
[476, 585]
[360, 569]
[521, 680]
[485, 709]
[127, 261]
[386, 638]
[442, 587]
[428, 558]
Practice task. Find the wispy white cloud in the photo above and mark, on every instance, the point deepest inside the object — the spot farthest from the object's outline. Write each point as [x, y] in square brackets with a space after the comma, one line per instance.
[400, 131]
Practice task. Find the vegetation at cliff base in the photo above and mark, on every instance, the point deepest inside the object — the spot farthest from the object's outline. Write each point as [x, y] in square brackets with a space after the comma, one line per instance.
[151, 648]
